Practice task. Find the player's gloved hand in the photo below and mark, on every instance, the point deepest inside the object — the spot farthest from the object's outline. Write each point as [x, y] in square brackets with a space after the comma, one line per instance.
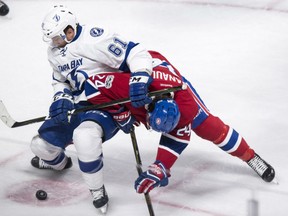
[61, 105]
[155, 176]
[139, 83]
[125, 121]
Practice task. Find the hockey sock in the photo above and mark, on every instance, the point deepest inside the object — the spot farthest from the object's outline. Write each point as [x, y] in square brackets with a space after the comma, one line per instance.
[225, 137]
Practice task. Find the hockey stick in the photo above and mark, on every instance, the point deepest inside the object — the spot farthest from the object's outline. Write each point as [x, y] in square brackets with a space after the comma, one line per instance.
[139, 169]
[10, 122]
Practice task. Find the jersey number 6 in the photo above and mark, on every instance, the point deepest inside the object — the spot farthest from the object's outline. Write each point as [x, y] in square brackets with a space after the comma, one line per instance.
[117, 47]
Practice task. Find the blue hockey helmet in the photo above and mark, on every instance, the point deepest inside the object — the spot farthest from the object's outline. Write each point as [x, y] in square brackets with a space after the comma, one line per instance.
[164, 115]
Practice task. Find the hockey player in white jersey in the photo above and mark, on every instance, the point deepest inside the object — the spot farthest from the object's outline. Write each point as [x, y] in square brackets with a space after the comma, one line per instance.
[74, 51]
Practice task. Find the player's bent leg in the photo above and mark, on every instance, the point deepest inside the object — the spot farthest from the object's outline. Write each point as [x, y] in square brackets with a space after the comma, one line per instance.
[87, 140]
[230, 141]
[48, 156]
[225, 137]
[88, 143]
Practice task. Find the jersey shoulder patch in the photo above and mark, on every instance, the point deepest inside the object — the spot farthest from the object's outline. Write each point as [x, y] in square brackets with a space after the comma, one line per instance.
[96, 32]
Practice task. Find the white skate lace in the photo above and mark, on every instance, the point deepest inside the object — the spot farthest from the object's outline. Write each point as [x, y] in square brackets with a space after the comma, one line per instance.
[44, 165]
[258, 165]
[97, 194]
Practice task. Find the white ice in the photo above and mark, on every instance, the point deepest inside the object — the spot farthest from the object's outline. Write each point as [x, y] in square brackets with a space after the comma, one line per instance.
[233, 51]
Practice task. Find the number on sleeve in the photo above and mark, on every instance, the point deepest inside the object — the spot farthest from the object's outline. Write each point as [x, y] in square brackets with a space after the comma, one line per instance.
[117, 48]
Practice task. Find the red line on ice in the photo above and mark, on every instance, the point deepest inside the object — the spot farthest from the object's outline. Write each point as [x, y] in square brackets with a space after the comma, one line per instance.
[188, 208]
[11, 158]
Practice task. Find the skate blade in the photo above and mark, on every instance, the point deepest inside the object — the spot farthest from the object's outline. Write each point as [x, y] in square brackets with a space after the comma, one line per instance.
[275, 181]
[103, 209]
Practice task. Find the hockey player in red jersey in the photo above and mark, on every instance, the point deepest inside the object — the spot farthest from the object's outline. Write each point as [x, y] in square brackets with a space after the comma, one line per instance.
[174, 115]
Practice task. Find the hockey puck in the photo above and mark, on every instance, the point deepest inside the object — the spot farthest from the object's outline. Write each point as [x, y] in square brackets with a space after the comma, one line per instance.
[41, 195]
[4, 9]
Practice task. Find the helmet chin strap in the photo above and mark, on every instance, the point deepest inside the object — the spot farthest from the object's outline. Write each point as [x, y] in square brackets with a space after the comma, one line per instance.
[68, 41]
[63, 36]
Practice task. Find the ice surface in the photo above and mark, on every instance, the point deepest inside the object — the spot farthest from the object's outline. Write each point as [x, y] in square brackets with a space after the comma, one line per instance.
[233, 51]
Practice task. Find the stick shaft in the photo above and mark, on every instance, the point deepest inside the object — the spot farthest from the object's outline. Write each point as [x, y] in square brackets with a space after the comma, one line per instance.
[10, 122]
[139, 169]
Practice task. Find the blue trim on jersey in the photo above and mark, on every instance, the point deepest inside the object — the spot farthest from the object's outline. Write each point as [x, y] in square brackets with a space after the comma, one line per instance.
[194, 90]
[78, 32]
[174, 145]
[91, 167]
[124, 66]
[199, 118]
[232, 141]
[90, 89]
[73, 74]
[201, 115]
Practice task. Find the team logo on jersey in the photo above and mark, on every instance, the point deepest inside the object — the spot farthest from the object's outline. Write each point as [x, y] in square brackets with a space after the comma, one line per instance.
[96, 32]
[63, 51]
[108, 81]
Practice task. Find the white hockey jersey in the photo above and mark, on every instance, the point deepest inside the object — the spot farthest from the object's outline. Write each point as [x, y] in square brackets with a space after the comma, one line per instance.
[94, 50]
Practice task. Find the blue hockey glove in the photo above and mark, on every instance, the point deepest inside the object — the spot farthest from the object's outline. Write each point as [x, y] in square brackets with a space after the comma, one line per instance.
[125, 121]
[155, 176]
[61, 105]
[139, 83]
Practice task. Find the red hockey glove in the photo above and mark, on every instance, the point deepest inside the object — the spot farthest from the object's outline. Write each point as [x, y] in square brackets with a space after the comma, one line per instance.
[155, 176]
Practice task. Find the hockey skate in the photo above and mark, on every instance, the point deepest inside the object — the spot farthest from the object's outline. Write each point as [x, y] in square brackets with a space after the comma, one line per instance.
[262, 168]
[40, 164]
[100, 199]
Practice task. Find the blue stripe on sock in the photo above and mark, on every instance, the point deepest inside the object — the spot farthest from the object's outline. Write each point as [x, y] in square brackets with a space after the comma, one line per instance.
[232, 141]
[57, 160]
[91, 167]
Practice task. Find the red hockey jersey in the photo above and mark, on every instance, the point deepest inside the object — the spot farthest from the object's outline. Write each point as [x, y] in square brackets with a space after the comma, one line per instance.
[107, 86]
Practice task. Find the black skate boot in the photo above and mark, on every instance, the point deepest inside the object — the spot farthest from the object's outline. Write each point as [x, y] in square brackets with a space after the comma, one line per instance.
[262, 168]
[100, 199]
[40, 164]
